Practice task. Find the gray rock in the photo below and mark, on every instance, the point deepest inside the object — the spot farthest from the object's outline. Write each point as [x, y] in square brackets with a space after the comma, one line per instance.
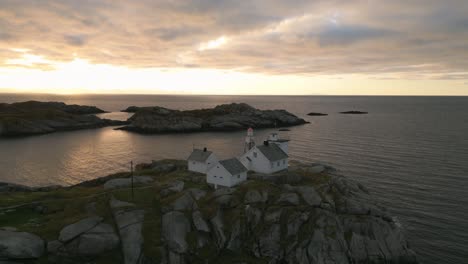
[9, 228]
[175, 227]
[269, 243]
[173, 187]
[197, 194]
[310, 196]
[223, 191]
[54, 246]
[235, 242]
[227, 201]
[273, 215]
[200, 223]
[98, 240]
[218, 229]
[127, 182]
[129, 223]
[254, 215]
[20, 245]
[116, 204]
[185, 202]
[254, 196]
[74, 230]
[289, 198]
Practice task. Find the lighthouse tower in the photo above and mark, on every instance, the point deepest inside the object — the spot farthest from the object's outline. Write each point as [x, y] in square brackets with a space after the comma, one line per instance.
[249, 140]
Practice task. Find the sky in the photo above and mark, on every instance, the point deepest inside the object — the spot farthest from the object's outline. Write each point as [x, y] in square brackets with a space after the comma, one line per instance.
[296, 47]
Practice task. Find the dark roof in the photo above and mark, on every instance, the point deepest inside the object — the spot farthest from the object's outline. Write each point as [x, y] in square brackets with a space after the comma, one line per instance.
[234, 166]
[199, 155]
[272, 152]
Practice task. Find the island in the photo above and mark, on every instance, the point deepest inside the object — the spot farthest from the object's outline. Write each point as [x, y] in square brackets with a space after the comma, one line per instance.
[316, 114]
[300, 215]
[226, 117]
[33, 117]
[353, 112]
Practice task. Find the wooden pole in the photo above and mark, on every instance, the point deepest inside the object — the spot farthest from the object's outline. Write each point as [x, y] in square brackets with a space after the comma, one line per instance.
[131, 169]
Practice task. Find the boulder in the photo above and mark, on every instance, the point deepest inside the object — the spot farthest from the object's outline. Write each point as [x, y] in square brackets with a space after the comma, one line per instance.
[218, 229]
[175, 227]
[197, 194]
[129, 223]
[20, 245]
[310, 196]
[199, 222]
[288, 198]
[74, 230]
[185, 202]
[98, 240]
[173, 187]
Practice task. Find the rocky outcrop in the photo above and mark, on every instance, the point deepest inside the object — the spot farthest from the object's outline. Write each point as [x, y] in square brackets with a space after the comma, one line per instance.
[335, 221]
[303, 215]
[31, 118]
[316, 114]
[20, 245]
[221, 118]
[129, 221]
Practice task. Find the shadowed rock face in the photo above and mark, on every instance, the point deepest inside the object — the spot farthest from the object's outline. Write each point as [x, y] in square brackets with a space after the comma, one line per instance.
[32, 117]
[225, 117]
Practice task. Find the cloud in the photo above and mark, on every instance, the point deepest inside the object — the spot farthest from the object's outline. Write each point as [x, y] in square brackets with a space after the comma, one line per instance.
[348, 34]
[75, 40]
[405, 39]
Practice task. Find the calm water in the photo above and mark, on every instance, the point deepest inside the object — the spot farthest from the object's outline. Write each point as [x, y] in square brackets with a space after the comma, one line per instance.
[412, 152]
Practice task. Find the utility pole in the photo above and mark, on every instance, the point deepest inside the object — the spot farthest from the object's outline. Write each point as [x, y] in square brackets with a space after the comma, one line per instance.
[131, 169]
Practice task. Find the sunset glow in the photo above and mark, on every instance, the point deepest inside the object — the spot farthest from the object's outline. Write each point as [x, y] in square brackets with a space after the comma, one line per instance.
[323, 47]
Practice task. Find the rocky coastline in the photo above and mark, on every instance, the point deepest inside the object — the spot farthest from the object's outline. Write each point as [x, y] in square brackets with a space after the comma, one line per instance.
[295, 216]
[227, 117]
[33, 118]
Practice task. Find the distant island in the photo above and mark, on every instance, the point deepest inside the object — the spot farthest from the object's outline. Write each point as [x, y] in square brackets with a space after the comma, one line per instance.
[353, 112]
[33, 117]
[316, 114]
[296, 216]
[226, 117]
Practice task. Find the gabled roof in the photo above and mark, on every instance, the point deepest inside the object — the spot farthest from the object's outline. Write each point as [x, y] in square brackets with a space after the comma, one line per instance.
[272, 152]
[233, 166]
[199, 155]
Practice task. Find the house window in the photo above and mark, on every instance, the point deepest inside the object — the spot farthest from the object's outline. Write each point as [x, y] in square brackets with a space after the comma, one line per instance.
[255, 154]
[284, 162]
[214, 176]
[278, 163]
[221, 177]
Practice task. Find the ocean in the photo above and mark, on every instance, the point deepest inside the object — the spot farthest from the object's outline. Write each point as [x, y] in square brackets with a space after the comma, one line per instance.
[411, 152]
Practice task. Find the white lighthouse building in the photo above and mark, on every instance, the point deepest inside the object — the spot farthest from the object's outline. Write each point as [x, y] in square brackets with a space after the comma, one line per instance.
[270, 157]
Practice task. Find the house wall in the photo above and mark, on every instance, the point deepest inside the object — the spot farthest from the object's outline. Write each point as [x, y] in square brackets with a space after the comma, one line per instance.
[238, 178]
[218, 175]
[202, 167]
[261, 164]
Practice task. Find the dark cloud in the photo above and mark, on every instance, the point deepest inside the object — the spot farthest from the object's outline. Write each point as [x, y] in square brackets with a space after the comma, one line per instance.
[75, 40]
[348, 34]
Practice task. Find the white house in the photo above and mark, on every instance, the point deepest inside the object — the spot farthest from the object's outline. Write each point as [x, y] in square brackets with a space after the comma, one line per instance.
[280, 142]
[267, 158]
[201, 160]
[227, 173]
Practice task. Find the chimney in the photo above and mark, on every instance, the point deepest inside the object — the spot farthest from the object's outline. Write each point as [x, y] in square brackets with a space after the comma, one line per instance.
[205, 149]
[265, 143]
